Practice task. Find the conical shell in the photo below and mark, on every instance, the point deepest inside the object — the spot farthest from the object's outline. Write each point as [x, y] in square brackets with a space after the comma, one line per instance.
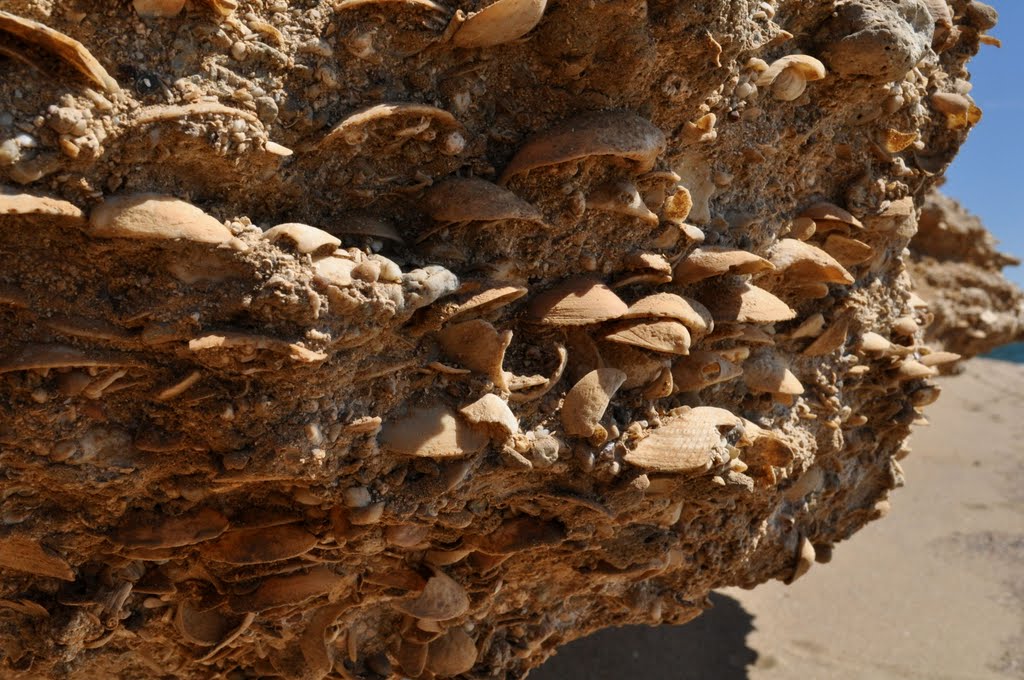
[473, 199]
[622, 198]
[431, 432]
[848, 251]
[662, 335]
[500, 22]
[576, 302]
[260, 545]
[153, 216]
[443, 598]
[304, 238]
[451, 654]
[702, 369]
[691, 313]
[738, 302]
[55, 42]
[767, 373]
[493, 413]
[17, 203]
[708, 261]
[691, 442]
[478, 346]
[586, 402]
[798, 262]
[620, 134]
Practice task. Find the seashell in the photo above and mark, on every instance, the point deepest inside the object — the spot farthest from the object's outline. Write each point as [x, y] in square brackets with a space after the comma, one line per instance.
[412, 657]
[848, 251]
[425, 286]
[662, 386]
[410, 536]
[260, 545]
[453, 653]
[27, 555]
[925, 396]
[518, 383]
[500, 22]
[17, 203]
[200, 627]
[444, 558]
[811, 327]
[708, 261]
[442, 598]
[788, 76]
[702, 369]
[351, 129]
[489, 299]
[910, 369]
[431, 432]
[586, 402]
[493, 413]
[894, 141]
[687, 443]
[30, 357]
[422, 4]
[688, 311]
[798, 262]
[334, 271]
[292, 589]
[905, 326]
[939, 9]
[622, 198]
[473, 199]
[678, 206]
[739, 302]
[364, 225]
[519, 534]
[194, 527]
[802, 228]
[222, 8]
[950, 103]
[831, 340]
[478, 346]
[153, 216]
[663, 335]
[828, 216]
[804, 560]
[68, 49]
[641, 368]
[158, 8]
[767, 373]
[576, 302]
[303, 238]
[874, 343]
[621, 134]
[232, 339]
[939, 358]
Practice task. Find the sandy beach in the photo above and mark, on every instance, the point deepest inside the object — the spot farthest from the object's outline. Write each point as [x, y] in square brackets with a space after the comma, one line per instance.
[933, 591]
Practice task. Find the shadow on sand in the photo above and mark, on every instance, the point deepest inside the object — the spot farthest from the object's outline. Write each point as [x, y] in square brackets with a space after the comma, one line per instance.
[712, 646]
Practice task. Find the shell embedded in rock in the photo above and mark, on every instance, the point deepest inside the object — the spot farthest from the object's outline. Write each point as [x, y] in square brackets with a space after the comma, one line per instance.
[442, 598]
[585, 403]
[16, 203]
[472, 199]
[260, 545]
[66, 48]
[26, 554]
[702, 369]
[691, 313]
[874, 343]
[492, 412]
[738, 302]
[848, 251]
[621, 134]
[154, 216]
[62, 356]
[351, 127]
[661, 335]
[911, 369]
[364, 225]
[489, 299]
[431, 432]
[622, 198]
[798, 262]
[641, 368]
[304, 238]
[500, 22]
[939, 358]
[478, 346]
[292, 589]
[789, 75]
[767, 373]
[830, 340]
[576, 302]
[196, 527]
[709, 261]
[691, 442]
[223, 8]
[451, 654]
[204, 627]
[825, 214]
[519, 534]
[158, 8]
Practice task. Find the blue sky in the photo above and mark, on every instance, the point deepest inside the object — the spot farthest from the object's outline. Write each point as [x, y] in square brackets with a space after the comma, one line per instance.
[988, 175]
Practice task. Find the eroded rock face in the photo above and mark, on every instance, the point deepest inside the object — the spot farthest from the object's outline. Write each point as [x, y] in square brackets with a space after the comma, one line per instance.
[378, 339]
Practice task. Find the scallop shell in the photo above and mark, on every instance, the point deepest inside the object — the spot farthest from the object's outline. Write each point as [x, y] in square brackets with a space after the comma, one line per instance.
[431, 432]
[576, 302]
[478, 346]
[451, 654]
[829, 341]
[292, 589]
[622, 198]
[798, 262]
[442, 599]
[260, 545]
[662, 335]
[688, 311]
[687, 443]
[195, 527]
[702, 369]
[17, 203]
[64, 47]
[848, 251]
[738, 302]
[493, 413]
[620, 134]
[201, 627]
[472, 199]
[500, 22]
[586, 402]
[153, 216]
[767, 373]
[352, 125]
[708, 261]
[304, 238]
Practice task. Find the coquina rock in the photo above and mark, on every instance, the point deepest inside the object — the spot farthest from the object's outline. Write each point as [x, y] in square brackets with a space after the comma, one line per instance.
[377, 339]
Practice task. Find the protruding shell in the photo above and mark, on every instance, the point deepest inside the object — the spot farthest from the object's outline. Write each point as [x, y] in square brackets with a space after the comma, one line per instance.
[472, 199]
[410, 4]
[451, 654]
[64, 47]
[739, 302]
[848, 251]
[586, 402]
[493, 413]
[292, 589]
[222, 8]
[500, 22]
[767, 373]
[16, 203]
[158, 8]
[804, 560]
[431, 432]
[204, 627]
[304, 238]
[911, 369]
[691, 313]
[709, 261]
[905, 326]
[260, 545]
[832, 339]
[802, 228]
[798, 263]
[154, 216]
[824, 211]
[951, 103]
[940, 358]
[576, 302]
[874, 343]
[622, 198]
[349, 128]
[195, 527]
[620, 134]
[789, 75]
[478, 346]
[519, 534]
[364, 225]
[688, 443]
[25, 554]
[489, 299]
[662, 335]
[811, 327]
[30, 357]
[412, 657]
[442, 598]
[641, 368]
[702, 369]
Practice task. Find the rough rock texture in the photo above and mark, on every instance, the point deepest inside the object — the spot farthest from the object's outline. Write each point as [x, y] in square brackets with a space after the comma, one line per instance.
[602, 306]
[957, 270]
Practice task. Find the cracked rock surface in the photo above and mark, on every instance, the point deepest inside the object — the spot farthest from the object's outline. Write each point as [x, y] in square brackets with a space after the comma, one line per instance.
[376, 339]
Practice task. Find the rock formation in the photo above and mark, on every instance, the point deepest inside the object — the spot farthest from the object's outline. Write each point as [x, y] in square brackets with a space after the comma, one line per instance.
[369, 338]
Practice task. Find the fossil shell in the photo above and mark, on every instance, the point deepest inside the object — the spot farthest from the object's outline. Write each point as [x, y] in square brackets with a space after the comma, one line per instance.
[153, 216]
[451, 654]
[767, 373]
[708, 261]
[585, 403]
[662, 335]
[25, 554]
[621, 134]
[848, 251]
[230, 339]
[905, 326]
[798, 262]
[789, 75]
[519, 534]
[939, 358]
[788, 85]
[201, 627]
[500, 22]
[424, 4]
[64, 47]
[334, 271]
[874, 343]
[576, 302]
[29, 357]
[260, 545]
[622, 198]
[304, 238]
[811, 327]
[158, 8]
[829, 212]
[412, 657]
[478, 346]
[16, 203]
[804, 560]
[951, 103]
[641, 368]
[829, 341]
[223, 8]
[702, 369]
[738, 302]
[911, 369]
[431, 432]
[351, 127]
[292, 589]
[690, 442]
[364, 225]
[802, 228]
[489, 299]
[196, 527]
[648, 261]
[492, 412]
[691, 313]
[468, 199]
[442, 598]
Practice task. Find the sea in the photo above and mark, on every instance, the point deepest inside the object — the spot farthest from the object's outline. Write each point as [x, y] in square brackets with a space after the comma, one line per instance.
[1013, 352]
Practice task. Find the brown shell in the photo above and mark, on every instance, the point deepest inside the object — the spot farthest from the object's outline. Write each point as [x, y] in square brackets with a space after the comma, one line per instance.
[304, 238]
[28, 357]
[830, 212]
[500, 22]
[519, 534]
[154, 216]
[811, 327]
[16, 203]
[951, 103]
[431, 432]
[911, 369]
[489, 299]
[621, 134]
[576, 302]
[493, 413]
[688, 311]
[292, 589]
[640, 367]
[385, 112]
[25, 554]
[767, 373]
[477, 345]
[708, 261]
[472, 199]
[848, 251]
[364, 225]
[829, 341]
[873, 342]
[738, 302]
[442, 598]
[68, 49]
[939, 358]
[687, 443]
[260, 545]
[661, 335]
[201, 627]
[195, 527]
[451, 654]
[622, 198]
[702, 369]
[586, 402]
[798, 262]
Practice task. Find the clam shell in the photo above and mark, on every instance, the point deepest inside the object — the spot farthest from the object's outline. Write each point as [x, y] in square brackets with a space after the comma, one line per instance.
[621, 134]
[789, 85]
[364, 225]
[489, 299]
[380, 113]
[874, 343]
[304, 238]
[500, 22]
[738, 302]
[431, 432]
[848, 251]
[802, 228]
[708, 261]
[798, 262]
[702, 369]
[25, 554]
[811, 327]
[804, 560]
[472, 199]
[576, 302]
[292, 589]
[766, 372]
[686, 443]
[662, 335]
[478, 346]
[195, 527]
[641, 368]
[830, 212]
[412, 658]
[28, 357]
[586, 402]
[64, 47]
[260, 545]
[622, 198]
[652, 262]
[153, 216]
[17, 203]
[158, 8]
[519, 534]
[951, 103]
[493, 413]
[911, 369]
[200, 627]
[689, 312]
[442, 598]
[451, 654]
[832, 339]
[939, 358]
[806, 66]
